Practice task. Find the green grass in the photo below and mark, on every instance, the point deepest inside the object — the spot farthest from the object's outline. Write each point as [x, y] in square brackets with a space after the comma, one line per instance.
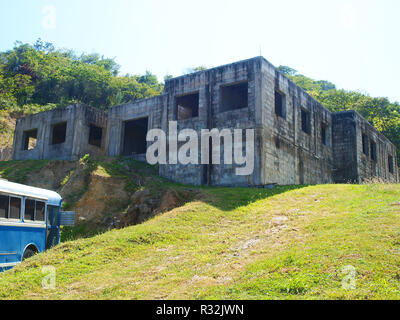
[137, 176]
[227, 244]
[17, 171]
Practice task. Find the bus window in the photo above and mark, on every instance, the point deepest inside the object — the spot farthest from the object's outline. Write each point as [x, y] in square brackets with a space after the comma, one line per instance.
[29, 210]
[40, 211]
[4, 203]
[34, 210]
[15, 208]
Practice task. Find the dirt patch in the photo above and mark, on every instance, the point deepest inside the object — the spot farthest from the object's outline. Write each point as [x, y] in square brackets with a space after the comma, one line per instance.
[173, 199]
[145, 205]
[248, 244]
[277, 224]
[76, 184]
[51, 175]
[278, 221]
[105, 195]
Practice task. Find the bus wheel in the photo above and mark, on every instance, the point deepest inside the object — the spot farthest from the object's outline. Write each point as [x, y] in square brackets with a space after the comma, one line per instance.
[28, 253]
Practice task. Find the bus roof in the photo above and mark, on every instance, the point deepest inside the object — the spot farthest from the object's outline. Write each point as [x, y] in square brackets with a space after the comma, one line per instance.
[52, 198]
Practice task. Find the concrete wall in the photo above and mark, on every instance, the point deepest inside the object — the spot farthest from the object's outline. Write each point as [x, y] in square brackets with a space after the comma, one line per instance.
[368, 167]
[284, 153]
[77, 118]
[291, 156]
[344, 148]
[208, 84]
[152, 108]
[196, 83]
[88, 116]
[351, 163]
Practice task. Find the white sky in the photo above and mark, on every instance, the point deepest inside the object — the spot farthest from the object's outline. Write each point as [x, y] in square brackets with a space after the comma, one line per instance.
[354, 44]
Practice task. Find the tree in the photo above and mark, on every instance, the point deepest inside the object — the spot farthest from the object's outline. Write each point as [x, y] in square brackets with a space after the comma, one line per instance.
[40, 75]
[287, 70]
[195, 69]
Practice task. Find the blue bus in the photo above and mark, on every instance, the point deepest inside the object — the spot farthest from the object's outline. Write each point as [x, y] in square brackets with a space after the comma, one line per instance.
[29, 222]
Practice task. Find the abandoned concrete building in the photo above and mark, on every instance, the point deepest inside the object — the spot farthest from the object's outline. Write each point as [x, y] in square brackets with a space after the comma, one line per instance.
[297, 140]
[62, 133]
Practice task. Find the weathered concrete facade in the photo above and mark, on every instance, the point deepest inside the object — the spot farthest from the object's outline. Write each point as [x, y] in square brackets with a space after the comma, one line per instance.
[360, 152]
[146, 112]
[297, 140]
[293, 149]
[210, 86]
[64, 133]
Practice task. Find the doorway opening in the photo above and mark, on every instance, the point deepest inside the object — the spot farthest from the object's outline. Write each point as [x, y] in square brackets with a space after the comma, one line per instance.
[135, 132]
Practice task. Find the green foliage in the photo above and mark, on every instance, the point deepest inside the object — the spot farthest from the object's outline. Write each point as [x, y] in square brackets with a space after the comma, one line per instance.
[195, 69]
[36, 78]
[42, 75]
[287, 70]
[200, 68]
[73, 233]
[17, 171]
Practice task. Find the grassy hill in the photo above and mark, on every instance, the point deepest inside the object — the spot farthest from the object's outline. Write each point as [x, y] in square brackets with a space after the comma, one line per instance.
[287, 243]
[104, 192]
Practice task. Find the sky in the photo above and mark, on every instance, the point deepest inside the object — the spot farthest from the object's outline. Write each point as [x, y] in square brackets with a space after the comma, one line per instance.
[352, 43]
